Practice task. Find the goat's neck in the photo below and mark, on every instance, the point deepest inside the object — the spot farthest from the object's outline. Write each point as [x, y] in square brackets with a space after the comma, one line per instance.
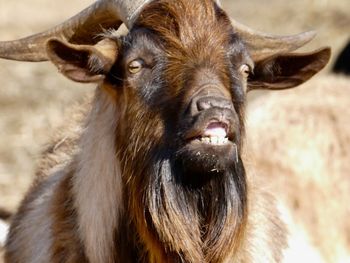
[97, 183]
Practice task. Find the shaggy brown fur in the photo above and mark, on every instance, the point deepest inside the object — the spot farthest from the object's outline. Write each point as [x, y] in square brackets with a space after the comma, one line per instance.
[67, 246]
[141, 185]
[186, 50]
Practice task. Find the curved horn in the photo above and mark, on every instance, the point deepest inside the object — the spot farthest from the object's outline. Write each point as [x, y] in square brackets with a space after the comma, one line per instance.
[263, 45]
[80, 29]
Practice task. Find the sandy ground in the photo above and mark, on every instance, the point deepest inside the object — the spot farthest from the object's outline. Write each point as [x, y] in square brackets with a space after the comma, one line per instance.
[33, 97]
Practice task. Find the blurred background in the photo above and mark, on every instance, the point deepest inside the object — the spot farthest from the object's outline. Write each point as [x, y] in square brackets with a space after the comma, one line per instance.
[34, 98]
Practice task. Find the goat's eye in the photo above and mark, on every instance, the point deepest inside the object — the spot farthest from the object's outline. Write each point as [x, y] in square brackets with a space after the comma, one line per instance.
[135, 66]
[245, 70]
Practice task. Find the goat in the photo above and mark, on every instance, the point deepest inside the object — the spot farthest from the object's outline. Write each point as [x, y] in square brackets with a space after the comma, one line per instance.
[157, 174]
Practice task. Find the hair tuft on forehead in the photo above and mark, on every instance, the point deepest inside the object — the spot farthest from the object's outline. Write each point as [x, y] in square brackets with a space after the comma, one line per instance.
[181, 24]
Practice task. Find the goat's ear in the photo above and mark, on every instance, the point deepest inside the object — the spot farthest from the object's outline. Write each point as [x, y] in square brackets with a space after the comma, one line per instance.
[83, 63]
[288, 70]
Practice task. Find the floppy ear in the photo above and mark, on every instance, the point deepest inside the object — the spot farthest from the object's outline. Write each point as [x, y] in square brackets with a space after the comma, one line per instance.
[83, 63]
[286, 71]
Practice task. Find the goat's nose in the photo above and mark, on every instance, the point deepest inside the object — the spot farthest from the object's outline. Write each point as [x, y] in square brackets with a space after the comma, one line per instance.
[209, 102]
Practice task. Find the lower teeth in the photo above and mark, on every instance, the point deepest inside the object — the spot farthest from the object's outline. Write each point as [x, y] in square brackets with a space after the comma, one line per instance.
[214, 140]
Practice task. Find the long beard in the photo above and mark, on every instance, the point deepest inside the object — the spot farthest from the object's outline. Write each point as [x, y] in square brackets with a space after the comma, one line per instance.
[201, 224]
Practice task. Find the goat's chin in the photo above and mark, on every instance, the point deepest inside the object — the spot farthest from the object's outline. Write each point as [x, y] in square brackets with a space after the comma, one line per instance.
[199, 163]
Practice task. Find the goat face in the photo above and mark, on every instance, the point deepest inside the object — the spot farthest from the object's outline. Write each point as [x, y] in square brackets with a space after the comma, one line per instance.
[184, 96]
[179, 80]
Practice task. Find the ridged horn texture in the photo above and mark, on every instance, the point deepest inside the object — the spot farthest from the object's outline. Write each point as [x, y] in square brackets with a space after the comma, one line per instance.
[80, 29]
[262, 45]
[109, 14]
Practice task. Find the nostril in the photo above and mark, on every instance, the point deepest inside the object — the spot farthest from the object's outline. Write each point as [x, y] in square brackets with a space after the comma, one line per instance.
[211, 102]
[204, 104]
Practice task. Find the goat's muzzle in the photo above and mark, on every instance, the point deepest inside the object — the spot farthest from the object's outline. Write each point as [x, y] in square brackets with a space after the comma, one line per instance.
[210, 132]
[212, 117]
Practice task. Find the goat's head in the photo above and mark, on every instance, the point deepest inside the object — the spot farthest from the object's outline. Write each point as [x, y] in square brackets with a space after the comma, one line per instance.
[179, 79]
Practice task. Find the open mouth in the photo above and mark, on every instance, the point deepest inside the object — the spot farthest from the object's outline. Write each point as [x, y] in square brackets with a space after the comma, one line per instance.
[215, 133]
[210, 147]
